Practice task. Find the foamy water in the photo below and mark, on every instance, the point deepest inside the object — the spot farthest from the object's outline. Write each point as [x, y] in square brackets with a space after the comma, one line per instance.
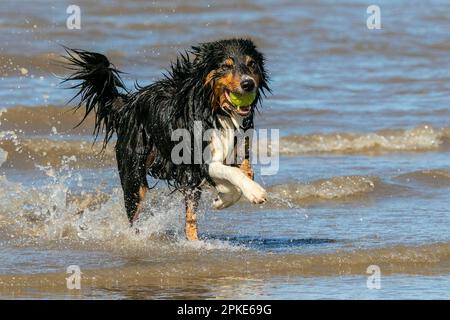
[364, 173]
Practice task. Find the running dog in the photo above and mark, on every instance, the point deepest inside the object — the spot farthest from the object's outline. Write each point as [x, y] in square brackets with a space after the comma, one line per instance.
[197, 87]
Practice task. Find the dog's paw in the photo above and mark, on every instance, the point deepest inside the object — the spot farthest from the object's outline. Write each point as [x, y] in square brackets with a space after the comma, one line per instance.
[254, 192]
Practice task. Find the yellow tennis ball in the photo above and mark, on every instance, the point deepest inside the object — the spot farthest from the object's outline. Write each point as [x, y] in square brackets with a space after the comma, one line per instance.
[242, 100]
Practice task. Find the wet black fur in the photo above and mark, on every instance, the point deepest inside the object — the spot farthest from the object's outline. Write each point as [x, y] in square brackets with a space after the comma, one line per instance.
[145, 119]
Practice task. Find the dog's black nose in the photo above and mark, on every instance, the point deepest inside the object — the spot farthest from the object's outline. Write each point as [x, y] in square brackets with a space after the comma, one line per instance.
[248, 84]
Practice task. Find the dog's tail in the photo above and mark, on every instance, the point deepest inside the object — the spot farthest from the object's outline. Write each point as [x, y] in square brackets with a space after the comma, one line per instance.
[98, 88]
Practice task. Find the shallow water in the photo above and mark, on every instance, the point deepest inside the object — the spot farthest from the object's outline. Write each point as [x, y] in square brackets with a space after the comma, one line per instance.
[364, 176]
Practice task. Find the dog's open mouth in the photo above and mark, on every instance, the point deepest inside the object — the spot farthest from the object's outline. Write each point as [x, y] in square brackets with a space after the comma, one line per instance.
[242, 110]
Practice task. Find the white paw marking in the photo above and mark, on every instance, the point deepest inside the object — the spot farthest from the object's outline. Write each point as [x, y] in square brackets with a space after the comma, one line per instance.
[254, 192]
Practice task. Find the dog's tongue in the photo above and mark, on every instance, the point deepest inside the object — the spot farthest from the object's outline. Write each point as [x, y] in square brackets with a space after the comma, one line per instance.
[243, 110]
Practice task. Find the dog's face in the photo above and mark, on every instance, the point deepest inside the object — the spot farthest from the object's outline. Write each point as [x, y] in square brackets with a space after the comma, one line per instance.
[234, 69]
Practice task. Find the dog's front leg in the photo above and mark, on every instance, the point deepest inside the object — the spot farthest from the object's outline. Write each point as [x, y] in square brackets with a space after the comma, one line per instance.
[251, 190]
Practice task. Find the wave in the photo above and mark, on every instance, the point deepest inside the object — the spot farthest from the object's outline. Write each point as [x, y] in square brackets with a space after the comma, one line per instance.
[327, 189]
[29, 153]
[434, 178]
[26, 153]
[38, 64]
[22, 128]
[419, 139]
[30, 65]
[342, 188]
[45, 120]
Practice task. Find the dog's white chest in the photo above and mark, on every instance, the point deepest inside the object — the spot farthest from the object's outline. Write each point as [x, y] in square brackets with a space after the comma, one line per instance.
[223, 140]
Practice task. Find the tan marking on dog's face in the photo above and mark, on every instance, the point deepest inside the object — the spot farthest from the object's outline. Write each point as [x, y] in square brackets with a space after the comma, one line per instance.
[229, 62]
[209, 81]
[254, 70]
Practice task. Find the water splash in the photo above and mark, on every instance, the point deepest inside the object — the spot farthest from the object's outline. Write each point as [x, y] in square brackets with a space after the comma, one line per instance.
[54, 212]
